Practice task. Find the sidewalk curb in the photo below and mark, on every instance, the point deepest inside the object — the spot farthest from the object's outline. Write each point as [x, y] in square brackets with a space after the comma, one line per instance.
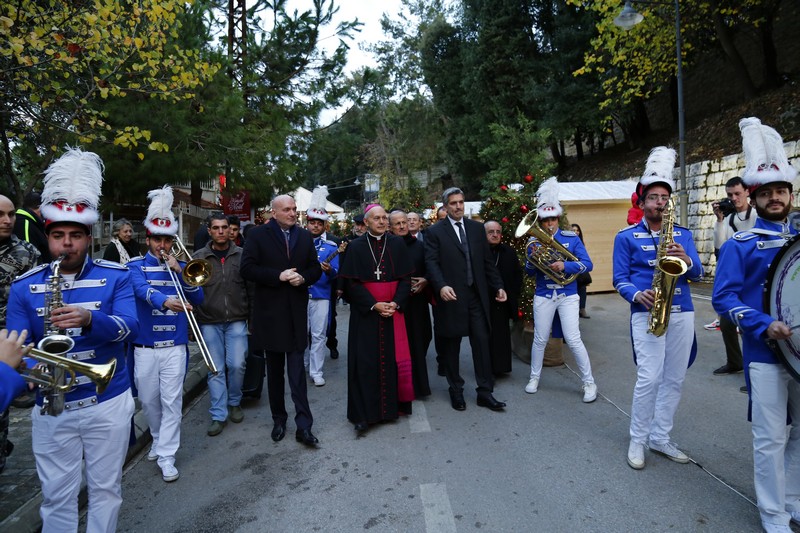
[26, 519]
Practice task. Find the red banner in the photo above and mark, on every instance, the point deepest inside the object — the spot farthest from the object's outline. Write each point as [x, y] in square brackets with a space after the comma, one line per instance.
[237, 204]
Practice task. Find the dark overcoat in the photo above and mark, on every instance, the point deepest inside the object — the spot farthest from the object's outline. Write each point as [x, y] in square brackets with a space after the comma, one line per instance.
[280, 311]
[446, 265]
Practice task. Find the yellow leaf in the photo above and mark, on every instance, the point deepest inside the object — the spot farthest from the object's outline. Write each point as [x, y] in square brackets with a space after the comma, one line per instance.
[140, 155]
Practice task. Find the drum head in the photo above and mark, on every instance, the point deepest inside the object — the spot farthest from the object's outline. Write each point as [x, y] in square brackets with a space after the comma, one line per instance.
[782, 302]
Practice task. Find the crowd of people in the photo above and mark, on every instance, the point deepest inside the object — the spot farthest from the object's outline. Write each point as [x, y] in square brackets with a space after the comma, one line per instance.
[406, 285]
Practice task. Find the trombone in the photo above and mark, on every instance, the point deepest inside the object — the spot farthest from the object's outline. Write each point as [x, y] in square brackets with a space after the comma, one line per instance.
[197, 272]
[50, 352]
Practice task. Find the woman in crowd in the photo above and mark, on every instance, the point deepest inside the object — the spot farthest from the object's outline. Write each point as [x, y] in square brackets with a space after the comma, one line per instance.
[122, 247]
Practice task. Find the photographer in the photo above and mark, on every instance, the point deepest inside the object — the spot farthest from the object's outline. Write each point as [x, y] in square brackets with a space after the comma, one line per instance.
[733, 214]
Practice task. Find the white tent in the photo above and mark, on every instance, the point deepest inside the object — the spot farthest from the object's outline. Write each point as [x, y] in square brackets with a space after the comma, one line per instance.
[302, 197]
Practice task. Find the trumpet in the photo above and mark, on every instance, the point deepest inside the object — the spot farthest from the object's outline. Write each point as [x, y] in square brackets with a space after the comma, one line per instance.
[200, 275]
[59, 374]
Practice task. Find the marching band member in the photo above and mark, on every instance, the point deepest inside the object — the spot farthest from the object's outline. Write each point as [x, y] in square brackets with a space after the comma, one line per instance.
[11, 351]
[738, 294]
[661, 361]
[99, 314]
[552, 298]
[161, 348]
[319, 294]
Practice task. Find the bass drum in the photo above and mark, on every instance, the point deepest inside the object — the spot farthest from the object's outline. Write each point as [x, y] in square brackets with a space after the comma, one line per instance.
[782, 302]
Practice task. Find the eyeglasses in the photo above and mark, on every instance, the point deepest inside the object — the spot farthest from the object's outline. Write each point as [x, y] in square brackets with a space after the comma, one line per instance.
[657, 197]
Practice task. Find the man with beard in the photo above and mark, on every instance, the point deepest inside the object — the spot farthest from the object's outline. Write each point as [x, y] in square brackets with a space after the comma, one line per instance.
[279, 257]
[743, 265]
[464, 278]
[507, 262]
[417, 312]
[377, 274]
[661, 361]
[742, 219]
[93, 429]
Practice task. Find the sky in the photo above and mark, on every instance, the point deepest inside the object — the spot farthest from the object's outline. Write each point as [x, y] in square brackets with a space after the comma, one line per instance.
[366, 11]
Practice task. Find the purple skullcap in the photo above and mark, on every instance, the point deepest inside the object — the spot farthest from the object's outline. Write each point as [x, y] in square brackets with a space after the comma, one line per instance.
[370, 206]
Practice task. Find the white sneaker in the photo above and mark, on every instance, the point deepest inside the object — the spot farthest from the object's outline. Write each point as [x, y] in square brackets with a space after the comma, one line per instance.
[532, 386]
[319, 382]
[152, 455]
[795, 516]
[169, 473]
[589, 392]
[670, 451]
[636, 455]
[713, 326]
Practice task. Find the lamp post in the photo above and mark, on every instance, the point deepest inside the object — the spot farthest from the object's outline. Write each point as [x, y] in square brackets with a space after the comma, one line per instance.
[627, 19]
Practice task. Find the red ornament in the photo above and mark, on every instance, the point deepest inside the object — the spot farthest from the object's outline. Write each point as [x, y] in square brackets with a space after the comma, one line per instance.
[504, 220]
[520, 314]
[504, 187]
[523, 208]
[528, 178]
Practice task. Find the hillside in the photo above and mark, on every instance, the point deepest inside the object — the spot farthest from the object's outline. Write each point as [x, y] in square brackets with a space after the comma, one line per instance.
[709, 138]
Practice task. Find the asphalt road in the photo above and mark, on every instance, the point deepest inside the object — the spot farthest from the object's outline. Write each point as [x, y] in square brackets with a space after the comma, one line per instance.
[548, 463]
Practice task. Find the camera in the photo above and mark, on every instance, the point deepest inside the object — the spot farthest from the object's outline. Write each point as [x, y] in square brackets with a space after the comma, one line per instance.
[726, 207]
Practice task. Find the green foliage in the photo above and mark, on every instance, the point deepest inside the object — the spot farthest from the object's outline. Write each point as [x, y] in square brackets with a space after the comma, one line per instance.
[60, 58]
[402, 193]
[513, 153]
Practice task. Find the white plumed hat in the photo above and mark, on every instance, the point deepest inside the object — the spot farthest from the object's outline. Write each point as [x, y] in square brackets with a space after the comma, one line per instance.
[72, 185]
[658, 169]
[319, 200]
[160, 219]
[765, 158]
[547, 204]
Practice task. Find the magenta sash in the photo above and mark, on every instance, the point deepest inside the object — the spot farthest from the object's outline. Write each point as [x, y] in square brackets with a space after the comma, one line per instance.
[384, 292]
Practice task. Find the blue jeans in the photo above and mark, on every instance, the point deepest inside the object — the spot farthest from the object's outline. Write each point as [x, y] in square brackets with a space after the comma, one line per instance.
[228, 346]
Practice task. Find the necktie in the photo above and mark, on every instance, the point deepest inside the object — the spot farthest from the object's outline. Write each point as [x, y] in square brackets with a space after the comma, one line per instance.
[286, 234]
[465, 246]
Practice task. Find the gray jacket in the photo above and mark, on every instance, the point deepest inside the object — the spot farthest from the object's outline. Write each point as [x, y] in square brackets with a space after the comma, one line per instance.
[226, 295]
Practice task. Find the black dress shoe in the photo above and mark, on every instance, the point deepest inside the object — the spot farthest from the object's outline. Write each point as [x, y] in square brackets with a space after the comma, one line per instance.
[361, 427]
[440, 371]
[726, 369]
[334, 353]
[306, 437]
[491, 403]
[457, 401]
[278, 432]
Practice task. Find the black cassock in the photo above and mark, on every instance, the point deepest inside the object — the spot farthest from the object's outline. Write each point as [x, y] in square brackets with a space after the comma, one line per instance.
[418, 320]
[373, 393]
[507, 263]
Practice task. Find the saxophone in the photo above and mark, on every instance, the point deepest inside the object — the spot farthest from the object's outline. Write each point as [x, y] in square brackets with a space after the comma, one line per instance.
[55, 342]
[666, 274]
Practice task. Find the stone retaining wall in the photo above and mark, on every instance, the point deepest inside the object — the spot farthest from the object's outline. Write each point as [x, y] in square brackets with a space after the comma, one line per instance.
[706, 182]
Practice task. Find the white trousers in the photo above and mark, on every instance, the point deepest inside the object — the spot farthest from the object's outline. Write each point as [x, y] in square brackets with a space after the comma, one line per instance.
[159, 374]
[544, 309]
[776, 447]
[661, 364]
[314, 356]
[97, 435]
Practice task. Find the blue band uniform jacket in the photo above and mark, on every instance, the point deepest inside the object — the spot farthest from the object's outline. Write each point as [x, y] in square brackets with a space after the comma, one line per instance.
[105, 289]
[547, 287]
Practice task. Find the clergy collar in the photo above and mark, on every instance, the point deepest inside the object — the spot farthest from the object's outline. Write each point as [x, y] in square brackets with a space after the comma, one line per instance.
[376, 237]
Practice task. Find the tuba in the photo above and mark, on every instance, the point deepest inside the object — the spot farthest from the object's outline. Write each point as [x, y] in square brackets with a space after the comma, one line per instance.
[666, 274]
[543, 250]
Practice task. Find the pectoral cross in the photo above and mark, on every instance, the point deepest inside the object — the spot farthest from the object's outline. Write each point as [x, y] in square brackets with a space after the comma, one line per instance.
[377, 273]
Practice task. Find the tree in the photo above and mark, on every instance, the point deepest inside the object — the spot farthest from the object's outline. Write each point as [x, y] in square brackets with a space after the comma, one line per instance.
[63, 57]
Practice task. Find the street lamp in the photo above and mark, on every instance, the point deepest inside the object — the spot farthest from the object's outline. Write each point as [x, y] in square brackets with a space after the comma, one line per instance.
[627, 19]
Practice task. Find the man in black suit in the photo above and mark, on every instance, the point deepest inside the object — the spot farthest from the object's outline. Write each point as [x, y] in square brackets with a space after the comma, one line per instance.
[280, 258]
[462, 272]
